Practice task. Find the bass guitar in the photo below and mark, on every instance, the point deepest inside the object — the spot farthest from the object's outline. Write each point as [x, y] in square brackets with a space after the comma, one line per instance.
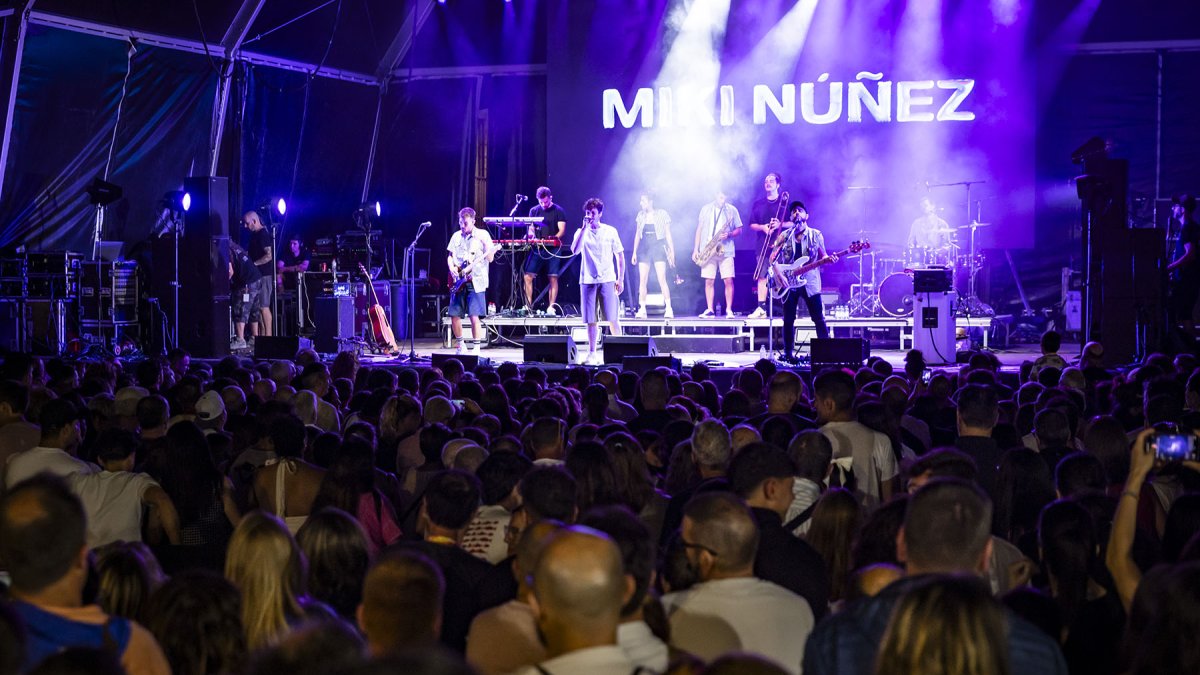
[787, 277]
[381, 331]
[467, 269]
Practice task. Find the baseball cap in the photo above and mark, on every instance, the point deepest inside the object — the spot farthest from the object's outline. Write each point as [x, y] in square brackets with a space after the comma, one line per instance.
[127, 399]
[210, 406]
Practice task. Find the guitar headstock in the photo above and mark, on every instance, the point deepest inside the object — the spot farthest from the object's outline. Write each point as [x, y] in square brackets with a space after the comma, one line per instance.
[856, 246]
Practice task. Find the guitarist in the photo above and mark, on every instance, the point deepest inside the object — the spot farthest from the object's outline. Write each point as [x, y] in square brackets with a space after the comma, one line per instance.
[467, 246]
[802, 240]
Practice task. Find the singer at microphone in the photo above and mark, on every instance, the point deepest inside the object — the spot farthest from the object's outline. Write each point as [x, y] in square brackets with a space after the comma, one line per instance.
[548, 260]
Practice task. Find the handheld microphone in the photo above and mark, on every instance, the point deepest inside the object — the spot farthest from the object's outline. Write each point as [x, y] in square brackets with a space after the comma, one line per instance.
[427, 224]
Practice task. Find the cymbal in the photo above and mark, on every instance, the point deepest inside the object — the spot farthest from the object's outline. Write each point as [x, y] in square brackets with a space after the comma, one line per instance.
[944, 230]
[975, 224]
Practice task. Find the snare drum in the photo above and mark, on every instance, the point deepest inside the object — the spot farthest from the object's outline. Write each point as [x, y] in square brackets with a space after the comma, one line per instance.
[896, 295]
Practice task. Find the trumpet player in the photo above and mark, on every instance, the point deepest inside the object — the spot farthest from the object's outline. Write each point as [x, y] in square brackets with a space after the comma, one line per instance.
[713, 250]
[766, 215]
[800, 240]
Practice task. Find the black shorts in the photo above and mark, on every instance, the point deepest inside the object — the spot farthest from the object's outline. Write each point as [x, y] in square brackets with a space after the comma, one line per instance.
[548, 261]
[651, 250]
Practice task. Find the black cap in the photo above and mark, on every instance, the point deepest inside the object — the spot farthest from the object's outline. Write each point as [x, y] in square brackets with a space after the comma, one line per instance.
[56, 414]
[796, 205]
[1187, 200]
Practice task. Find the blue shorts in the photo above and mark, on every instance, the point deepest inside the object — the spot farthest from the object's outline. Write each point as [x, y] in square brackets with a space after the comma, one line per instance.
[475, 301]
[608, 301]
[546, 261]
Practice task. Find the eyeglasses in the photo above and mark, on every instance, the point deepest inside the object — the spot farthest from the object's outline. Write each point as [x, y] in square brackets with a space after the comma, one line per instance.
[702, 547]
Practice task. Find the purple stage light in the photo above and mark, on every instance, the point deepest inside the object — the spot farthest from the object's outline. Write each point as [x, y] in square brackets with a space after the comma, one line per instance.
[187, 201]
[281, 206]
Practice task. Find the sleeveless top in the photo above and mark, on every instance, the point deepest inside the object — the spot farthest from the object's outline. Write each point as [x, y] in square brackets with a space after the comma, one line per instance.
[284, 468]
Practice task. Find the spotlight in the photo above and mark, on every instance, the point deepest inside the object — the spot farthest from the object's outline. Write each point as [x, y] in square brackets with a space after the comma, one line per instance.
[368, 209]
[278, 206]
[187, 201]
[177, 201]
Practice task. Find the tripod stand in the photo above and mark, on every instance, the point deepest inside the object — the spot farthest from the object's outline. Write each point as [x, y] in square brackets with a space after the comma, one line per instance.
[408, 278]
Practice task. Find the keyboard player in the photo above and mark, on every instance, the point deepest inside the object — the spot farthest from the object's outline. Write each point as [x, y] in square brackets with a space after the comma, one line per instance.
[548, 260]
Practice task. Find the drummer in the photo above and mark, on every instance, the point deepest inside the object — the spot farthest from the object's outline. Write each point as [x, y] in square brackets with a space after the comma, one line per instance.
[929, 231]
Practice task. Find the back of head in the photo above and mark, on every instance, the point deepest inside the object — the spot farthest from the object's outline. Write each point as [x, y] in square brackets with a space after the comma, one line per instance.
[711, 445]
[723, 524]
[402, 602]
[549, 492]
[811, 451]
[750, 380]
[947, 527]
[654, 391]
[43, 529]
[946, 625]
[336, 548]
[546, 438]
[945, 463]
[579, 583]
[1079, 473]
[265, 564]
[637, 547]
[755, 464]
[500, 474]
[1051, 342]
[452, 498]
[1068, 542]
[196, 617]
[837, 386]
[1052, 428]
[152, 412]
[978, 406]
[532, 542]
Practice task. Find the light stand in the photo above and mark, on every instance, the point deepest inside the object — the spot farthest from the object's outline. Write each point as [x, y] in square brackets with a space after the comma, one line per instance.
[408, 278]
[100, 193]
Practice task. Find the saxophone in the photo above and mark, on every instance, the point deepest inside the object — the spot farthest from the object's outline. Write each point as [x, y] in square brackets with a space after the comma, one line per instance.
[710, 249]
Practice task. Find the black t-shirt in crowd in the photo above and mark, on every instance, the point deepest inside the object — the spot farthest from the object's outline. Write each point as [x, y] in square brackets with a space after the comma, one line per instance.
[761, 213]
[551, 218]
[1188, 274]
[260, 241]
[244, 271]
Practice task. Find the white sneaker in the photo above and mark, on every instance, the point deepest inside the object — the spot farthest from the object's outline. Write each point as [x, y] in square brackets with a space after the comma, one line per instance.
[551, 310]
[237, 343]
[641, 313]
[668, 313]
[593, 359]
[707, 314]
[758, 313]
[729, 314]
[460, 348]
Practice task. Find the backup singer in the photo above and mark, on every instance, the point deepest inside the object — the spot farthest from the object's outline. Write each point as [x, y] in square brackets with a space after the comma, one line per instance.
[764, 219]
[653, 241]
[468, 246]
[601, 272]
[552, 259]
[718, 220]
[802, 240]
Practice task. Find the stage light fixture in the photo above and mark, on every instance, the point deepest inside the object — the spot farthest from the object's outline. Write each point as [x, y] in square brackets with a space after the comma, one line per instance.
[187, 201]
[177, 201]
[275, 206]
[369, 209]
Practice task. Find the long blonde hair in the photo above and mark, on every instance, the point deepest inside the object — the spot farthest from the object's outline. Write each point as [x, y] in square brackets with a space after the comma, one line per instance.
[266, 565]
[949, 625]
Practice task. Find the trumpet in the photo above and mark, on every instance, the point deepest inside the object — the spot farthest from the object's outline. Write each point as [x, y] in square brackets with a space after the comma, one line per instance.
[769, 242]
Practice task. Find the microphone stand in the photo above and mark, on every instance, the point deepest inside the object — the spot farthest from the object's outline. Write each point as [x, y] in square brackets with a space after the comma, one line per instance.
[410, 253]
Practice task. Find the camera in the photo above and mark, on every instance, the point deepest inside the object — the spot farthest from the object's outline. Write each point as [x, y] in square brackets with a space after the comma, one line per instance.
[1173, 447]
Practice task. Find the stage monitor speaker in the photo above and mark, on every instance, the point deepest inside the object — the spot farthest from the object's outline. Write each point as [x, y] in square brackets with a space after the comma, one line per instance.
[203, 297]
[699, 344]
[209, 213]
[934, 327]
[470, 362]
[549, 349]
[641, 364]
[617, 347]
[334, 317]
[833, 352]
[277, 347]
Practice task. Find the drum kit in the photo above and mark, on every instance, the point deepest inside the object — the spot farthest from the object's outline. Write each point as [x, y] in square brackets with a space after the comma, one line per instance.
[884, 280]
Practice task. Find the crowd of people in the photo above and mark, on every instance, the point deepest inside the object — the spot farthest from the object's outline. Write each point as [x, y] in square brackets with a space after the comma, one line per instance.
[303, 517]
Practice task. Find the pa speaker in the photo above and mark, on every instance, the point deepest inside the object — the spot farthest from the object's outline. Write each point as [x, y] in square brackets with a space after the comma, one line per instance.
[827, 352]
[617, 347]
[209, 213]
[470, 362]
[278, 347]
[549, 349]
[334, 317]
[641, 364]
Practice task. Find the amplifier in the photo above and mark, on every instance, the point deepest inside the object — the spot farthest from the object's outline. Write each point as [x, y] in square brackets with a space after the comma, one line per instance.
[52, 262]
[53, 287]
[13, 288]
[12, 268]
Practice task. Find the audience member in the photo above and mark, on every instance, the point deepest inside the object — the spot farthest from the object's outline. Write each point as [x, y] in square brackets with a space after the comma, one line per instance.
[55, 453]
[402, 603]
[874, 463]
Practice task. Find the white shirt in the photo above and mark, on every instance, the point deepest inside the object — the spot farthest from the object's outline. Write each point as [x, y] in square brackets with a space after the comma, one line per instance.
[484, 536]
[113, 503]
[642, 646]
[744, 614]
[33, 461]
[871, 451]
[606, 660]
[805, 493]
[472, 247]
[713, 219]
[599, 249]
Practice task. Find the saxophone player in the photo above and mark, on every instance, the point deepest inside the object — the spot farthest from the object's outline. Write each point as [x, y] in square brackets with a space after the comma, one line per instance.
[713, 250]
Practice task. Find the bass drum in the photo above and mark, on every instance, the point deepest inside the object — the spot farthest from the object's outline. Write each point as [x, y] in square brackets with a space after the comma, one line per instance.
[896, 295]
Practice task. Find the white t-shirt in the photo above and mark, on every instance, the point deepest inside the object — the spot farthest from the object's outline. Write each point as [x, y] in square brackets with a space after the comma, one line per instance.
[744, 614]
[113, 503]
[599, 249]
[484, 536]
[472, 247]
[54, 461]
[871, 451]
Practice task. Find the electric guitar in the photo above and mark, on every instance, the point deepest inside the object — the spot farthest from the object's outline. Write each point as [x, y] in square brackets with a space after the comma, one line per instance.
[381, 331]
[466, 271]
[787, 277]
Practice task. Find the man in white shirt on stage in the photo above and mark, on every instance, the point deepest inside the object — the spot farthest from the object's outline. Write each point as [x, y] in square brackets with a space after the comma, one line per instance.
[469, 252]
[601, 272]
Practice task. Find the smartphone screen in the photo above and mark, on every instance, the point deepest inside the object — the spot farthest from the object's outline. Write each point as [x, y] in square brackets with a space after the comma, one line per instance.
[1174, 447]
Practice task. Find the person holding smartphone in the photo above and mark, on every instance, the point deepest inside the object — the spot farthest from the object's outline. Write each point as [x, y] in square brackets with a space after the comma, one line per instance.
[601, 272]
